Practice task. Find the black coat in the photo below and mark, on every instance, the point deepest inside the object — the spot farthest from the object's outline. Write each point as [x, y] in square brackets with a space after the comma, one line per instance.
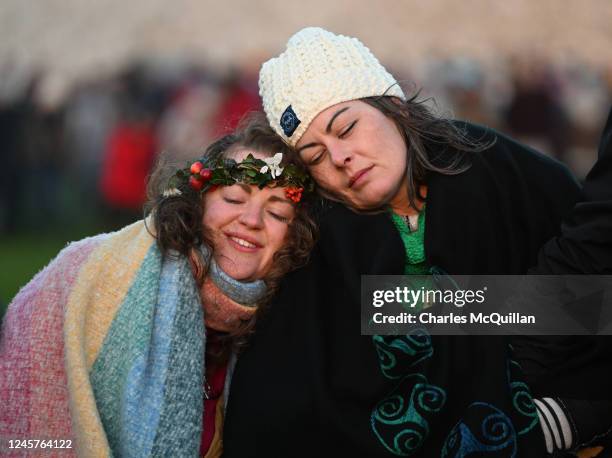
[309, 383]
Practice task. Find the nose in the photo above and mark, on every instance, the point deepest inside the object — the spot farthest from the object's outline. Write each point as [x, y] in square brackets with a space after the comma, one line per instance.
[340, 155]
[252, 216]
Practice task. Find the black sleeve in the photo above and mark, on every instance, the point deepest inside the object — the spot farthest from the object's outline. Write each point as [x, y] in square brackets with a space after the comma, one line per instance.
[585, 243]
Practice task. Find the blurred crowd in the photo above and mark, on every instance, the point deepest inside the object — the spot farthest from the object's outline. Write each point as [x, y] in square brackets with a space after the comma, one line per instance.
[86, 158]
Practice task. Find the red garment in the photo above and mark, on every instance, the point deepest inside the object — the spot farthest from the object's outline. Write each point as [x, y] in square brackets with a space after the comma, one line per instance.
[240, 99]
[128, 159]
[215, 377]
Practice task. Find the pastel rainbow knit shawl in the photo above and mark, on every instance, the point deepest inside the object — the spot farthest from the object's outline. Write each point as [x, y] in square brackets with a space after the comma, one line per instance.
[105, 346]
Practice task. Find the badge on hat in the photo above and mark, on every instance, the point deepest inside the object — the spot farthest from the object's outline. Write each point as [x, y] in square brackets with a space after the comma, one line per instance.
[289, 121]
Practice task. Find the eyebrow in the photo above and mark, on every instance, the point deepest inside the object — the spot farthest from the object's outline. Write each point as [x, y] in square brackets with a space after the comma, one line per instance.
[331, 121]
[327, 129]
[279, 199]
[248, 189]
[245, 187]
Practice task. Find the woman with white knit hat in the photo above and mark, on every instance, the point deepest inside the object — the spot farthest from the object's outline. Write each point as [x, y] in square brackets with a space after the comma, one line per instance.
[445, 197]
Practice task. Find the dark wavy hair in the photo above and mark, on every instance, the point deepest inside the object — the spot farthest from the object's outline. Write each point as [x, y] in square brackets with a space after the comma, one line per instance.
[177, 220]
[422, 130]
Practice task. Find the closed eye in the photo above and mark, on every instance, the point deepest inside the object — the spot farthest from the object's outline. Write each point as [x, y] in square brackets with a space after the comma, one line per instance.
[232, 201]
[279, 217]
[317, 158]
[346, 131]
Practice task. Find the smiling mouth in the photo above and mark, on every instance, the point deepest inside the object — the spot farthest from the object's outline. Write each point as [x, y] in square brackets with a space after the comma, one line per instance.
[358, 175]
[242, 243]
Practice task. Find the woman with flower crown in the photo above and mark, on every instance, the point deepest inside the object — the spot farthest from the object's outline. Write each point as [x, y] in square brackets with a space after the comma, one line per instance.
[124, 345]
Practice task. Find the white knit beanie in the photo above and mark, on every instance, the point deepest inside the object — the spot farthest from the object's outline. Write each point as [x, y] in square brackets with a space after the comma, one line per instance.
[317, 70]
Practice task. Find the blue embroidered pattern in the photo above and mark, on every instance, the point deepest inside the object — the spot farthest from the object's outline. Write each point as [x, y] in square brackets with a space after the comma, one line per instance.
[289, 121]
[494, 433]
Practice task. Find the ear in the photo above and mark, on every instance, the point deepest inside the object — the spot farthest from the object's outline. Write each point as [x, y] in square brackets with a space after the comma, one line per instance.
[396, 100]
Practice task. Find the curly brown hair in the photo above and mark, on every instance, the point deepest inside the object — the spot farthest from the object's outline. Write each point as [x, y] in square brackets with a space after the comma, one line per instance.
[177, 220]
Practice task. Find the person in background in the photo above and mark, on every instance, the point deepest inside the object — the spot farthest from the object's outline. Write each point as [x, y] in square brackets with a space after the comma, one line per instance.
[584, 246]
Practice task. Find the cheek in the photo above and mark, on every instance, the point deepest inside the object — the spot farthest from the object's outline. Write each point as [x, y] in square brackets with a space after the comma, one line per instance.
[396, 146]
[326, 177]
[210, 217]
[208, 220]
[318, 174]
[276, 237]
[217, 214]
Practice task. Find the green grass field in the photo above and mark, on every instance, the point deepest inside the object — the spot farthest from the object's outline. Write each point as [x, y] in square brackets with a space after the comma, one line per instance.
[21, 257]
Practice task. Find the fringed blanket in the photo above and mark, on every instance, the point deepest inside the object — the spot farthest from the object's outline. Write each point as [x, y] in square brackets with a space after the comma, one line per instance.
[105, 347]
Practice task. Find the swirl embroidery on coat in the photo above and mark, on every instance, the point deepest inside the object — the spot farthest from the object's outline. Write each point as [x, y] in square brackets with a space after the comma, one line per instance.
[400, 421]
[494, 433]
[398, 354]
[522, 400]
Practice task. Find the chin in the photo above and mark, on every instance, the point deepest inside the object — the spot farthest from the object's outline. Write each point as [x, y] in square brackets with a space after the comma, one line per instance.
[242, 276]
[370, 203]
[234, 271]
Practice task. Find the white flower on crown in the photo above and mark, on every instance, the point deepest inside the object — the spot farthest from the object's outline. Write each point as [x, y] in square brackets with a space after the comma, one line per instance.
[273, 163]
[172, 192]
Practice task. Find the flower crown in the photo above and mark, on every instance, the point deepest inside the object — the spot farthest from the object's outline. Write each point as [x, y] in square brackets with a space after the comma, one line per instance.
[207, 174]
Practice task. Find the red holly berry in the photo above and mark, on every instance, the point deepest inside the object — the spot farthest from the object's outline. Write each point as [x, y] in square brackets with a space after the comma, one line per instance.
[196, 167]
[294, 194]
[195, 182]
[206, 174]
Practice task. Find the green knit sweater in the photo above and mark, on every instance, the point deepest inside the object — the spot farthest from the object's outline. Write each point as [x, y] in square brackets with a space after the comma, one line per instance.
[414, 244]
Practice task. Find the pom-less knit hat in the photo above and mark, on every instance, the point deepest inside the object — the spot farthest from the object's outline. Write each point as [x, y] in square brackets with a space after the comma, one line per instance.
[317, 70]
